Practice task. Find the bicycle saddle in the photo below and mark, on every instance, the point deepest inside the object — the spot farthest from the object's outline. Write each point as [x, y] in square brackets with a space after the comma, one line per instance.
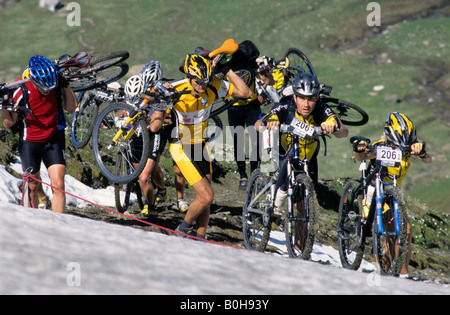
[81, 59]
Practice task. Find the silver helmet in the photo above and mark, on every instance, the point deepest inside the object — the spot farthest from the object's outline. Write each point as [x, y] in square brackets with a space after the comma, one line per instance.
[305, 84]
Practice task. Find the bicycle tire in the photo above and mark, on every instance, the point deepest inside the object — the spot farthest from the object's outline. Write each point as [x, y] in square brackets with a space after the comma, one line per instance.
[96, 76]
[106, 60]
[222, 104]
[83, 120]
[123, 199]
[256, 225]
[119, 163]
[351, 237]
[383, 243]
[298, 63]
[349, 113]
[295, 228]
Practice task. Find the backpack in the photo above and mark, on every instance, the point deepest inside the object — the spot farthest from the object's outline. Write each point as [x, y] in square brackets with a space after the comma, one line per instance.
[244, 57]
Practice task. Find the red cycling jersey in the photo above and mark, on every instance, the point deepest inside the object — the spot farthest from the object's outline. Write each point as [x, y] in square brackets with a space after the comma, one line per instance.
[41, 124]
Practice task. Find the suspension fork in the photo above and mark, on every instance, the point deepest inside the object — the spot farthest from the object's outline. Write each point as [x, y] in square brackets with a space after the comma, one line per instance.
[378, 203]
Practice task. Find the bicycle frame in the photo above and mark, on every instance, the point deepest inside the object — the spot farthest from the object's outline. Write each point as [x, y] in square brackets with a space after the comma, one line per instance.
[378, 174]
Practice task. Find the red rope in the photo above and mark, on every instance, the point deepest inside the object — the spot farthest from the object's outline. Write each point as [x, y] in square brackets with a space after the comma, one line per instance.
[28, 177]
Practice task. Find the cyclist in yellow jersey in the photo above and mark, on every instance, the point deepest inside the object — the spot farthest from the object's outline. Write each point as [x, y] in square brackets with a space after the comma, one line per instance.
[187, 147]
[303, 106]
[399, 131]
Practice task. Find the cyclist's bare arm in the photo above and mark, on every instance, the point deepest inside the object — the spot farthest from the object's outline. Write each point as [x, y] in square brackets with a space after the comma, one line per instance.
[241, 90]
[69, 100]
[156, 120]
[9, 119]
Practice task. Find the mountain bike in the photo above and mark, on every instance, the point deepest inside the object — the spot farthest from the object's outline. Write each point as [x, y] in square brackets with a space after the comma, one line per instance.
[302, 207]
[98, 71]
[108, 68]
[385, 220]
[292, 64]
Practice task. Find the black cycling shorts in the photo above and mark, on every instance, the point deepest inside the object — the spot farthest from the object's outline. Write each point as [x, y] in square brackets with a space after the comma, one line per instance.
[32, 154]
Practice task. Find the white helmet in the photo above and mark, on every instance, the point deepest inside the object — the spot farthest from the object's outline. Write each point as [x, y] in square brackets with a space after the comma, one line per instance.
[134, 88]
[151, 72]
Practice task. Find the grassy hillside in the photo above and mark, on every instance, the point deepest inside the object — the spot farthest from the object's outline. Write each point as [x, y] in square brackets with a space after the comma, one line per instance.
[406, 58]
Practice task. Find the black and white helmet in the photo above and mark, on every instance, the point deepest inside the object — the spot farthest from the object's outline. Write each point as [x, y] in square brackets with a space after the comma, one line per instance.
[151, 72]
[305, 84]
[134, 87]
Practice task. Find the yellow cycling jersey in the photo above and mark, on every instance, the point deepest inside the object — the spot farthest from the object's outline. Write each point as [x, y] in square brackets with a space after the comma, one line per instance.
[307, 147]
[400, 171]
[192, 111]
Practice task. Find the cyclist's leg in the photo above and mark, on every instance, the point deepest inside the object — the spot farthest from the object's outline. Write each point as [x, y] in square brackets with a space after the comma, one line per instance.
[404, 270]
[199, 209]
[57, 173]
[30, 157]
[236, 120]
[54, 160]
[253, 114]
[198, 174]
[145, 181]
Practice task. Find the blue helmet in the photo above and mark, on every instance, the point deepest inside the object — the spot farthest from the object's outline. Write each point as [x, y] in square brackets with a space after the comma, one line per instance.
[43, 73]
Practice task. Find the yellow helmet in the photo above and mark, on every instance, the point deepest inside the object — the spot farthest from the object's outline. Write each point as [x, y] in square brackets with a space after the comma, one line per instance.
[198, 68]
[399, 130]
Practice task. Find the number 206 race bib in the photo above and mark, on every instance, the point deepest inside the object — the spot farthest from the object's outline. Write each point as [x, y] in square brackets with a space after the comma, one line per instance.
[388, 156]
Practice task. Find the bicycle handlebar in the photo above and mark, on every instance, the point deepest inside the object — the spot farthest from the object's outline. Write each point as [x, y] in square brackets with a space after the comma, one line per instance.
[12, 85]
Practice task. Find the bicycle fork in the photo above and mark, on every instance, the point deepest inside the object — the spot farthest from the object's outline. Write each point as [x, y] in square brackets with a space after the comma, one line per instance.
[127, 128]
[379, 208]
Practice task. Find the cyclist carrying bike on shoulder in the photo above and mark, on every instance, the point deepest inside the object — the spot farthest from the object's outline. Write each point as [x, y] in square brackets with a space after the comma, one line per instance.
[399, 132]
[187, 146]
[41, 139]
[304, 106]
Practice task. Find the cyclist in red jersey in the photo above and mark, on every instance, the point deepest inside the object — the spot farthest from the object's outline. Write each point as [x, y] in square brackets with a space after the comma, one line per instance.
[40, 138]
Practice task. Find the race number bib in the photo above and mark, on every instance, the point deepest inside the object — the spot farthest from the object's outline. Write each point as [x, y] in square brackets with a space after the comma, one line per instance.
[302, 129]
[388, 156]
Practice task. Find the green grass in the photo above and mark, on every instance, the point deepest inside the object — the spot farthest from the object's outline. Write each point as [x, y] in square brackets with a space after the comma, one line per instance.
[167, 30]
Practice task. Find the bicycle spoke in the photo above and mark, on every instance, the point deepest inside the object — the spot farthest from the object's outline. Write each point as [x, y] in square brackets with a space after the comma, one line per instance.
[256, 217]
[123, 161]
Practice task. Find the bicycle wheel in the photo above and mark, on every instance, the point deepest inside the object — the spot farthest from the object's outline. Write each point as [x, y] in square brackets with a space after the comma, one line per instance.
[96, 75]
[123, 162]
[83, 119]
[302, 218]
[222, 104]
[122, 194]
[298, 63]
[350, 114]
[391, 246]
[256, 220]
[107, 60]
[351, 238]
[214, 128]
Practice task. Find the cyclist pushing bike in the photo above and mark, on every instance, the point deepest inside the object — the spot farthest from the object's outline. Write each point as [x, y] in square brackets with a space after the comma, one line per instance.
[304, 106]
[187, 146]
[399, 132]
[41, 140]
